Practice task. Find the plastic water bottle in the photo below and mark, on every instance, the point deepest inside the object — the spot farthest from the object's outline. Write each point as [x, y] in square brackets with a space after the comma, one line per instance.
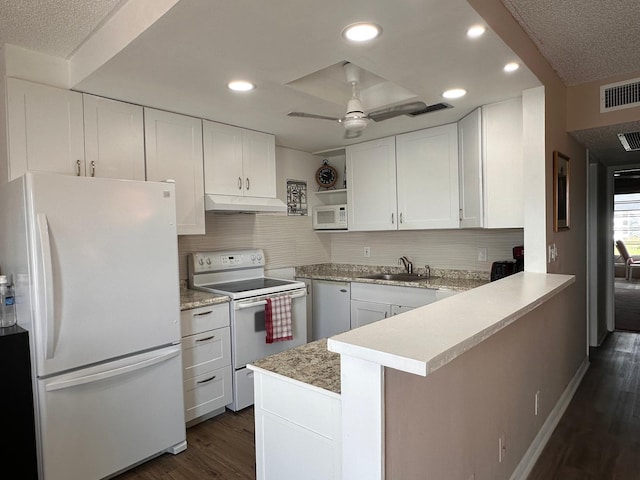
[7, 303]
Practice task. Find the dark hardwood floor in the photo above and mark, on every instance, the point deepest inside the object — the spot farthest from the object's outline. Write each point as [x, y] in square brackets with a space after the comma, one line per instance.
[598, 437]
[221, 448]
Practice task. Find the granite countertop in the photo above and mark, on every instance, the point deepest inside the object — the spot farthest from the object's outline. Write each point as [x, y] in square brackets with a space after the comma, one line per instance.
[441, 279]
[194, 298]
[312, 364]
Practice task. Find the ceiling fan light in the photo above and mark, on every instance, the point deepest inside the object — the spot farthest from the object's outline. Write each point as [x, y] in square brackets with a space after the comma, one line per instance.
[241, 86]
[362, 32]
[354, 124]
[454, 93]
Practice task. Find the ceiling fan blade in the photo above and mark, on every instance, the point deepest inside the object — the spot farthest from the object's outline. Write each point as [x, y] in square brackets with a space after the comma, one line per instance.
[390, 112]
[352, 134]
[312, 115]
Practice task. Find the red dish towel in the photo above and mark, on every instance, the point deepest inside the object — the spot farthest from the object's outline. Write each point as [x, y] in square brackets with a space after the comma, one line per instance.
[277, 314]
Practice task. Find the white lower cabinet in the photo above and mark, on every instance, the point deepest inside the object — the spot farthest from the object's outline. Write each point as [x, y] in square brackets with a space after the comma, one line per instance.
[206, 361]
[363, 313]
[298, 430]
[371, 303]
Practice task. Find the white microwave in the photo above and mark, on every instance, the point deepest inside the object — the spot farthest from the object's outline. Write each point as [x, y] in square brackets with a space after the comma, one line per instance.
[330, 217]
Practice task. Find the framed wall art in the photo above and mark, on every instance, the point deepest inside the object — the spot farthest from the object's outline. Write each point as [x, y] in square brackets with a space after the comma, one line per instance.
[561, 187]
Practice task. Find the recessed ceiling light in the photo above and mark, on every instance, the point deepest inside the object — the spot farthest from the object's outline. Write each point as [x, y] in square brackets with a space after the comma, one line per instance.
[455, 93]
[362, 32]
[476, 31]
[511, 67]
[241, 86]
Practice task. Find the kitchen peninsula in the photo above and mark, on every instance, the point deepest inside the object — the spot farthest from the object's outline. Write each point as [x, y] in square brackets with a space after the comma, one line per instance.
[348, 424]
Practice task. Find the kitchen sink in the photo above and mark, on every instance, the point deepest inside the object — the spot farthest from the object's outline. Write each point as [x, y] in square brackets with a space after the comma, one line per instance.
[399, 277]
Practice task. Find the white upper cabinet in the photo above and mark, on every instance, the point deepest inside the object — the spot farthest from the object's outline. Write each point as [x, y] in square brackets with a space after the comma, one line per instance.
[427, 178]
[238, 162]
[405, 182]
[174, 151]
[45, 129]
[113, 139]
[371, 196]
[471, 191]
[491, 178]
[223, 173]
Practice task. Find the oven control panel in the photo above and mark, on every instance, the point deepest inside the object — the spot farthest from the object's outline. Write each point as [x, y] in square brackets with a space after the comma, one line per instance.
[225, 260]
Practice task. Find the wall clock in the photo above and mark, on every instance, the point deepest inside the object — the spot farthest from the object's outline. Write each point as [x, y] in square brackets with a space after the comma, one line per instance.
[326, 176]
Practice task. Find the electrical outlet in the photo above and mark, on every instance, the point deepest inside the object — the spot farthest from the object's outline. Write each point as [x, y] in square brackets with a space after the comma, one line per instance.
[367, 251]
[536, 406]
[482, 254]
[502, 448]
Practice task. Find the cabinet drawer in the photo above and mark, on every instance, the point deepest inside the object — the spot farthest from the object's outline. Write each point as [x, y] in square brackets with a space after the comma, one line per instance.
[206, 351]
[207, 392]
[201, 319]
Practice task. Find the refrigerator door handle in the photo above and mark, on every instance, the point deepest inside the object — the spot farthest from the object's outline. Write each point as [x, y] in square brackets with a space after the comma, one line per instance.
[95, 377]
[46, 308]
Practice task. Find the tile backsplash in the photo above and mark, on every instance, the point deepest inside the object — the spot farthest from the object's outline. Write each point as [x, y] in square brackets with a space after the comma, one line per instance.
[290, 241]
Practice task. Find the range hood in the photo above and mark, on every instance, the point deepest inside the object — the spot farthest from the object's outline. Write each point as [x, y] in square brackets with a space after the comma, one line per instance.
[229, 203]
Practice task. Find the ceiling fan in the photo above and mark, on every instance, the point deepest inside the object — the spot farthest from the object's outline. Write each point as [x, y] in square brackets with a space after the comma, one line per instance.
[355, 120]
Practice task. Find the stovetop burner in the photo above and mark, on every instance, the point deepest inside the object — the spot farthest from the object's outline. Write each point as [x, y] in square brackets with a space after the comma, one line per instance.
[248, 285]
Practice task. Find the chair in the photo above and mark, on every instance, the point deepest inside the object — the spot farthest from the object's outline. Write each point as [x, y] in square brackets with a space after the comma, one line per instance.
[629, 262]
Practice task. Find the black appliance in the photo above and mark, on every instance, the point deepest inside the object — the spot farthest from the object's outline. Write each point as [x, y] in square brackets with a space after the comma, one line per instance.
[504, 268]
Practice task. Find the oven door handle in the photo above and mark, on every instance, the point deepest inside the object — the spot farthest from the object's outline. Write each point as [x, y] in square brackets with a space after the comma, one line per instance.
[242, 305]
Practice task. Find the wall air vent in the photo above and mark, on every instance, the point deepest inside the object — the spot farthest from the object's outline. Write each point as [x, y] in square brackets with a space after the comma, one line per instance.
[431, 108]
[630, 141]
[617, 96]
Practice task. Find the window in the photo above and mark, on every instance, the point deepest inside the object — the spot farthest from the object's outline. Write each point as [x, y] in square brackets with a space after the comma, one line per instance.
[626, 221]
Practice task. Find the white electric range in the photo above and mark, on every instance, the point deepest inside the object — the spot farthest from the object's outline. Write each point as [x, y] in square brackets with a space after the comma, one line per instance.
[240, 275]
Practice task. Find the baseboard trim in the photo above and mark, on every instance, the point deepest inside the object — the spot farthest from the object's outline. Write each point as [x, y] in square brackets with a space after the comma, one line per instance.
[532, 454]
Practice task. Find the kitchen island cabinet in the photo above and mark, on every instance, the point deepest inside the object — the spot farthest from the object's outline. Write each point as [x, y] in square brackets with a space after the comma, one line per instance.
[298, 414]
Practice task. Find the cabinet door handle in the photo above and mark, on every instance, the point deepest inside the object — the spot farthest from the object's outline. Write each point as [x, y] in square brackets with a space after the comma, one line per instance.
[343, 290]
[239, 183]
[206, 339]
[206, 379]
[401, 218]
[460, 215]
[202, 314]
[93, 168]
[77, 168]
[392, 221]
[248, 186]
[385, 314]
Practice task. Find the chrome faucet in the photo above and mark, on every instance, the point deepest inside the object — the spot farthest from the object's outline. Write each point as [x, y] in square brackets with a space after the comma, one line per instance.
[407, 264]
[427, 271]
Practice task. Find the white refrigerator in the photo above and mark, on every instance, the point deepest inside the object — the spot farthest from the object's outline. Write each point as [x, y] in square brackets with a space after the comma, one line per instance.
[95, 265]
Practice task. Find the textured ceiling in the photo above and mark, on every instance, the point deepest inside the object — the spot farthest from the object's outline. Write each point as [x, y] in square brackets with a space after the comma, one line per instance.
[583, 40]
[586, 41]
[55, 27]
